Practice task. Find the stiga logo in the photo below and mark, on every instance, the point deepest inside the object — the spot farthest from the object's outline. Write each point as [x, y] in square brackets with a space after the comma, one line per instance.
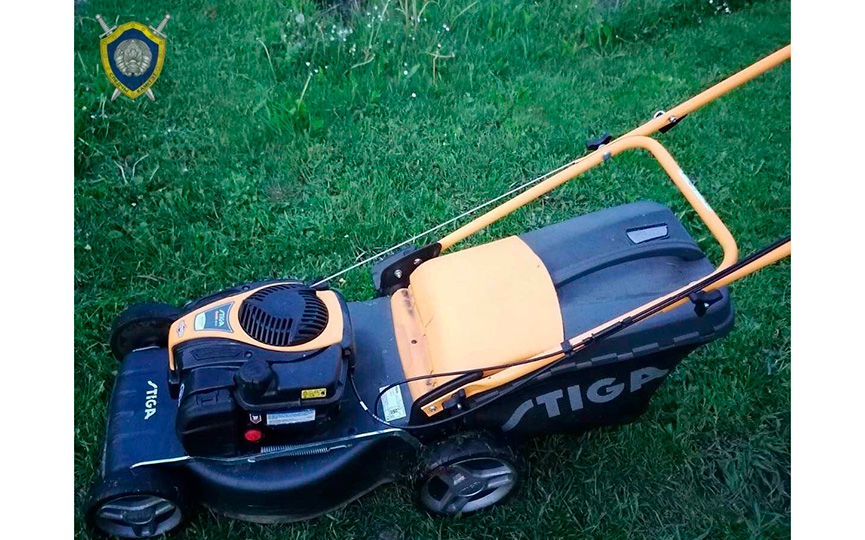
[215, 318]
[600, 391]
[150, 400]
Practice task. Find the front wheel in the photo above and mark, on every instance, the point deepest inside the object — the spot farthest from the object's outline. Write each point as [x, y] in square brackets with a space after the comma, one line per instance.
[136, 504]
[142, 325]
[466, 473]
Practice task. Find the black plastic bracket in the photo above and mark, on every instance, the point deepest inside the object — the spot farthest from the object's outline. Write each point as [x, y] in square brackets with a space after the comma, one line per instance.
[702, 300]
[673, 123]
[318, 285]
[597, 142]
[457, 400]
[392, 273]
[442, 390]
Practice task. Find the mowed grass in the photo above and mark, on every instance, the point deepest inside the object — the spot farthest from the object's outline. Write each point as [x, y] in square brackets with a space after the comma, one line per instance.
[294, 138]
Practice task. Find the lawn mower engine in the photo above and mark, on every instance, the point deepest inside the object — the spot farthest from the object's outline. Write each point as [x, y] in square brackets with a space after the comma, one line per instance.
[258, 365]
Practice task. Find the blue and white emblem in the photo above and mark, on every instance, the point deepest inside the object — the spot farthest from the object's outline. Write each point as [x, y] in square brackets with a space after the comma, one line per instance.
[132, 55]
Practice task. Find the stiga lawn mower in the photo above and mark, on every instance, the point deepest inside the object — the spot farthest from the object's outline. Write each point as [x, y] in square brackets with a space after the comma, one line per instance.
[278, 400]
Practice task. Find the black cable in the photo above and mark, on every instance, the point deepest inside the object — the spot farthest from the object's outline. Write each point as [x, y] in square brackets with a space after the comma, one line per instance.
[566, 351]
[435, 376]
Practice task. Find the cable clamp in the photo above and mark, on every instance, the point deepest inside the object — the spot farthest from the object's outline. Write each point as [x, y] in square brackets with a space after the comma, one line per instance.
[703, 300]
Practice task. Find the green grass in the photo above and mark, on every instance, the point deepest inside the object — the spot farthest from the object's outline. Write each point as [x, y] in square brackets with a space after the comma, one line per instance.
[280, 148]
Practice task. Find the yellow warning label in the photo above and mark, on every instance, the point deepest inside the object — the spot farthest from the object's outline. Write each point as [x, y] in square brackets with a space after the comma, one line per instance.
[312, 393]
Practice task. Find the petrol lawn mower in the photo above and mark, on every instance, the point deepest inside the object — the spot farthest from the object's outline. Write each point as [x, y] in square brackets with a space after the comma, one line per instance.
[279, 401]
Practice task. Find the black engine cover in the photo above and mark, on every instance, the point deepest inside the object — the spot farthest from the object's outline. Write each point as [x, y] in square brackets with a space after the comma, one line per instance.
[235, 397]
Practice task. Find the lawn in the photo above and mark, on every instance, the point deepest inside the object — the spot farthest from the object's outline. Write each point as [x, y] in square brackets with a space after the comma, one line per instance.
[294, 138]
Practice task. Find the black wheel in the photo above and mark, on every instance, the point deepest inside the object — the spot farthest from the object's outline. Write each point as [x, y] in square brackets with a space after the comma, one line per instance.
[142, 325]
[466, 473]
[136, 504]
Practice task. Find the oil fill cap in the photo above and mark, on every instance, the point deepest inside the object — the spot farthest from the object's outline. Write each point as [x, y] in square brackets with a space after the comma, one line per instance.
[254, 376]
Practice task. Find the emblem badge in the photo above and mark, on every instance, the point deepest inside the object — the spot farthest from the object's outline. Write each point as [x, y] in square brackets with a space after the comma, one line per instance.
[132, 55]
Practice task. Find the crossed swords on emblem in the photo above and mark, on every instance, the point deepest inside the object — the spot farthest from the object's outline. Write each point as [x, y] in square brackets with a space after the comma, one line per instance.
[158, 31]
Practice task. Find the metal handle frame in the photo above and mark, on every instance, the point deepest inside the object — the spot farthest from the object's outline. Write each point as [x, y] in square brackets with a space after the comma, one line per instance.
[669, 118]
[636, 139]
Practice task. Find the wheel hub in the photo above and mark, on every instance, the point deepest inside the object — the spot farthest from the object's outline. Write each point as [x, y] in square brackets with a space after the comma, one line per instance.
[468, 485]
[473, 487]
[137, 516]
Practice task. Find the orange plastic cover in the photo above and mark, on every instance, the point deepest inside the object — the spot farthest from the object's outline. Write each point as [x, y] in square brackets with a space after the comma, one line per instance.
[475, 308]
[185, 328]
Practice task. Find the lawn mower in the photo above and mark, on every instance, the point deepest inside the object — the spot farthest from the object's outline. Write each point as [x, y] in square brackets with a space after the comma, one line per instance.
[279, 401]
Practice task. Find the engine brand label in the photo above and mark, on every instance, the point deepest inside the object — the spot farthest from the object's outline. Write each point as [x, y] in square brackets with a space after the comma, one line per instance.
[215, 318]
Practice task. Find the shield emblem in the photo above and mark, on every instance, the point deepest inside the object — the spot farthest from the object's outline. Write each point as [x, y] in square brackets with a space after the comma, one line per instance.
[132, 56]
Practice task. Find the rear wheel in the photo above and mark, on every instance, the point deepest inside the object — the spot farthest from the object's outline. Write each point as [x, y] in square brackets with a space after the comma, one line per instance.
[142, 325]
[138, 504]
[466, 473]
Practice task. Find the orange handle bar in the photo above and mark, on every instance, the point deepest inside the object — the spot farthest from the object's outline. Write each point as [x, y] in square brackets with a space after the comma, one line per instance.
[635, 139]
[709, 217]
[591, 160]
[494, 379]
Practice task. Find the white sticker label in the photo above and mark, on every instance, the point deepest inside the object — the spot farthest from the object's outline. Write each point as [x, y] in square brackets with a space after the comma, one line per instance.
[291, 417]
[392, 405]
[694, 189]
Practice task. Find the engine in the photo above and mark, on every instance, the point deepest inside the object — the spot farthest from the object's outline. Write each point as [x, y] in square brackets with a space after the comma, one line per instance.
[259, 364]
